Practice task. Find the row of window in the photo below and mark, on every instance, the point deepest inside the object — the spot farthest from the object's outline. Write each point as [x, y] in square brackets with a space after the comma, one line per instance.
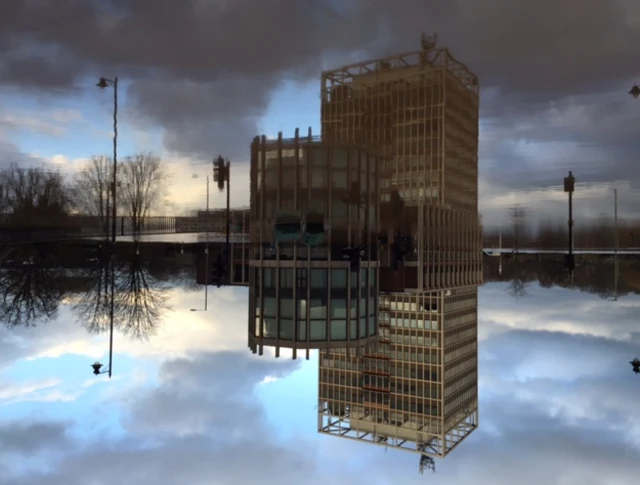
[461, 399]
[462, 366]
[453, 338]
[290, 330]
[415, 341]
[417, 323]
[340, 308]
[338, 157]
[466, 380]
[318, 278]
[468, 348]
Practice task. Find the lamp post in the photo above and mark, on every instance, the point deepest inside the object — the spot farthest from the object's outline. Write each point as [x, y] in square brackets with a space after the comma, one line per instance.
[221, 174]
[206, 256]
[97, 366]
[569, 186]
[104, 83]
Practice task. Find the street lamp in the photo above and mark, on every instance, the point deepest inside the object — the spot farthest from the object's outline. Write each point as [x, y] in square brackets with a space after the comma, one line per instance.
[97, 365]
[104, 83]
[635, 91]
[569, 187]
[221, 174]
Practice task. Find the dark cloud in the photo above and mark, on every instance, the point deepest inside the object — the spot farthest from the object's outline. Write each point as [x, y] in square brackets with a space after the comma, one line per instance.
[208, 393]
[554, 75]
[31, 437]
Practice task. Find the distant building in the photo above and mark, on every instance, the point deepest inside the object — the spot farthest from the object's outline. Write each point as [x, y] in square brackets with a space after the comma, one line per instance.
[313, 279]
[417, 389]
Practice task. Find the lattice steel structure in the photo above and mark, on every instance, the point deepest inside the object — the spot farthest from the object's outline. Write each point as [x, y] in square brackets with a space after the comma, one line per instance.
[418, 389]
[421, 110]
[303, 294]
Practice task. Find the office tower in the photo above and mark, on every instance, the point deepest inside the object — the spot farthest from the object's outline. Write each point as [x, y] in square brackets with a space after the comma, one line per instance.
[418, 389]
[313, 269]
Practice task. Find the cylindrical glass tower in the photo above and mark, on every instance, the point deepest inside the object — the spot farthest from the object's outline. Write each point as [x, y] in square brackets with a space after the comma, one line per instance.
[313, 281]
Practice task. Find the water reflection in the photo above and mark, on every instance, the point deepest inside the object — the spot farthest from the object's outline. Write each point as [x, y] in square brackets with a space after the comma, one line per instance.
[530, 384]
[594, 273]
[36, 279]
[31, 285]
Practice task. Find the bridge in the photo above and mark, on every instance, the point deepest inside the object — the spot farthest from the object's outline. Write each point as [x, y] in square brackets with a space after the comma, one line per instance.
[88, 227]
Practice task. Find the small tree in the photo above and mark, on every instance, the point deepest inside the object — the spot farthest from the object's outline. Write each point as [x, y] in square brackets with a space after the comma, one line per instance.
[35, 197]
[91, 192]
[142, 186]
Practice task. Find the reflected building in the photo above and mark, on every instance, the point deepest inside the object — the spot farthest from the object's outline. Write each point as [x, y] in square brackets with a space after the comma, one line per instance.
[417, 389]
[314, 225]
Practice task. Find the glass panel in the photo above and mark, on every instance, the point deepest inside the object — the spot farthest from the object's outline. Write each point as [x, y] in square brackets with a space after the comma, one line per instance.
[339, 178]
[302, 177]
[286, 278]
[372, 325]
[363, 277]
[268, 277]
[269, 308]
[286, 308]
[338, 278]
[302, 309]
[318, 278]
[302, 330]
[353, 329]
[318, 309]
[338, 308]
[318, 178]
[363, 326]
[269, 328]
[353, 311]
[339, 158]
[319, 330]
[286, 329]
[338, 209]
[372, 306]
[338, 330]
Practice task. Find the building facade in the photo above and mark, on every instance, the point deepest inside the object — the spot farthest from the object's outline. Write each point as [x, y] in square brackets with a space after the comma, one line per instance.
[313, 265]
[417, 390]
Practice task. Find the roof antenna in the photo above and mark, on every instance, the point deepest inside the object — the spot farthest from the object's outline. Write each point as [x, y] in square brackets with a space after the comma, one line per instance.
[428, 41]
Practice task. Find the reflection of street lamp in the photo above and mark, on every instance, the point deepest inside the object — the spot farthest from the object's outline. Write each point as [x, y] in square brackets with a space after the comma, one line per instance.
[97, 365]
[96, 369]
[569, 187]
[103, 83]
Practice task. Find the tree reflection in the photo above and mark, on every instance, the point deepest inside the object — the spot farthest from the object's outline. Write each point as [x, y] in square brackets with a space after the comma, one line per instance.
[518, 286]
[138, 300]
[30, 290]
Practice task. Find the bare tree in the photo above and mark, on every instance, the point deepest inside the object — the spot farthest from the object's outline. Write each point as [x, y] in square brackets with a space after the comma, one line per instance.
[35, 197]
[91, 193]
[518, 221]
[142, 186]
[139, 302]
[30, 292]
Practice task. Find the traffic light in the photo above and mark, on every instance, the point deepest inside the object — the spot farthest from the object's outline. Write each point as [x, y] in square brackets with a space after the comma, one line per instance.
[219, 271]
[220, 172]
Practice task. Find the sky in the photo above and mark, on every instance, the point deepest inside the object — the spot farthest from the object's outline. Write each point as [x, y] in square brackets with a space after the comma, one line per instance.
[200, 78]
[558, 401]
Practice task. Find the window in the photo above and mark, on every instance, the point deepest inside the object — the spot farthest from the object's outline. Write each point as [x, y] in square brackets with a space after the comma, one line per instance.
[318, 330]
[318, 177]
[318, 278]
[286, 278]
[286, 308]
[302, 278]
[338, 330]
[338, 308]
[338, 278]
[268, 277]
